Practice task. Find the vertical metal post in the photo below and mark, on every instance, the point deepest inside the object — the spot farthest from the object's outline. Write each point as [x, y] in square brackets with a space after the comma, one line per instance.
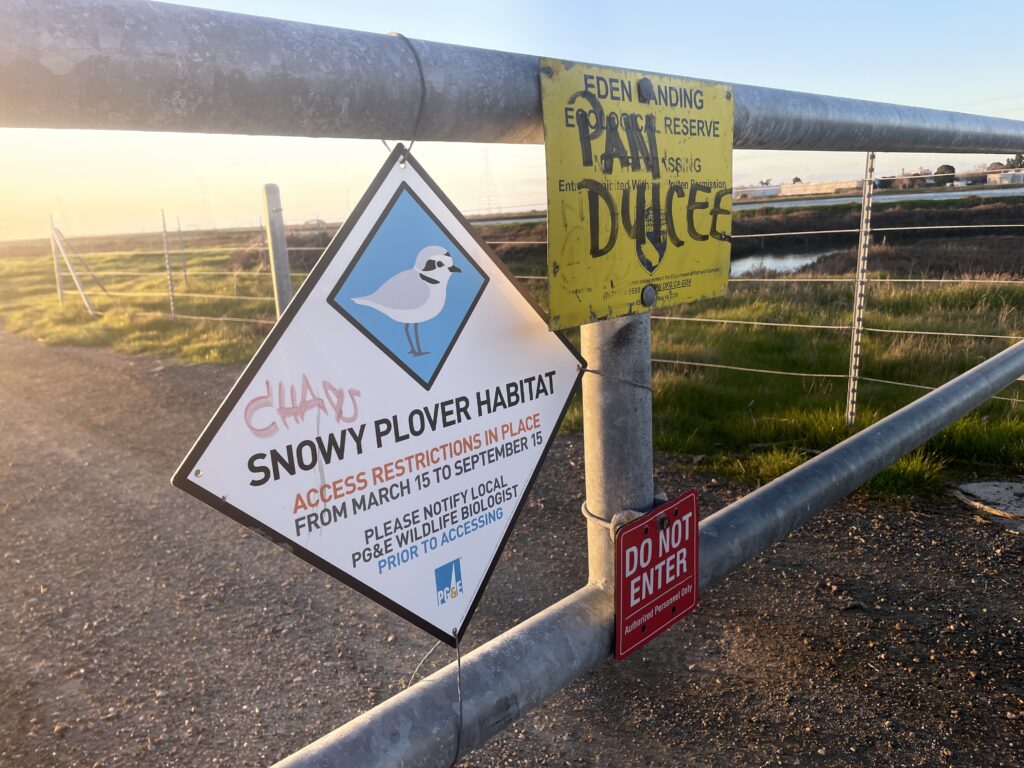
[617, 431]
[167, 265]
[863, 245]
[263, 243]
[181, 255]
[58, 239]
[56, 263]
[279, 267]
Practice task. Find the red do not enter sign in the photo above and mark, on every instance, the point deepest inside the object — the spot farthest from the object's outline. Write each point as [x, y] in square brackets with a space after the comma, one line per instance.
[655, 572]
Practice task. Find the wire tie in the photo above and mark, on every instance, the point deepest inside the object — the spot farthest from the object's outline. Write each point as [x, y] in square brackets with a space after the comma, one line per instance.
[622, 518]
[636, 384]
[423, 96]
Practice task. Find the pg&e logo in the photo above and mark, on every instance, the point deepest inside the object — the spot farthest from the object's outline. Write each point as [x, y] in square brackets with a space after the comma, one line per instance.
[448, 580]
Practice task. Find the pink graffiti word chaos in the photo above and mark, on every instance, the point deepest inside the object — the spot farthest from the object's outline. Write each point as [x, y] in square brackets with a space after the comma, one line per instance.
[266, 414]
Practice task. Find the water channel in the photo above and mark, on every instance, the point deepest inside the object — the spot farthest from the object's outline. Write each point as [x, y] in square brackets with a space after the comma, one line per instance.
[879, 198]
[779, 264]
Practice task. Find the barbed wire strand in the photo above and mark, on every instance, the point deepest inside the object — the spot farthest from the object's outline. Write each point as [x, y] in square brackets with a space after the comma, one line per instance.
[762, 323]
[930, 389]
[942, 333]
[664, 361]
[205, 296]
[224, 319]
[807, 375]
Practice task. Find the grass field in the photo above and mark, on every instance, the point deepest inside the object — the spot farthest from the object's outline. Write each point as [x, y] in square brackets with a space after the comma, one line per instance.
[139, 322]
[768, 423]
[750, 425]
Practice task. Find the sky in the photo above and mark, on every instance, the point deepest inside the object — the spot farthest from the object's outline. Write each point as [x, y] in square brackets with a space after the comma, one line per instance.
[944, 54]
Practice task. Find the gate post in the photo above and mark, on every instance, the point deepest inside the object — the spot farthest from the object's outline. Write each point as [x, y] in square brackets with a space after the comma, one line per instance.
[617, 431]
[278, 244]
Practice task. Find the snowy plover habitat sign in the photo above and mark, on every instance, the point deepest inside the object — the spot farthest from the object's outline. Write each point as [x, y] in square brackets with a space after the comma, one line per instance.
[390, 426]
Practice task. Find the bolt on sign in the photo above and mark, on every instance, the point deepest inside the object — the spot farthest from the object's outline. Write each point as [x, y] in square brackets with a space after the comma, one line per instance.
[655, 573]
[639, 171]
[390, 426]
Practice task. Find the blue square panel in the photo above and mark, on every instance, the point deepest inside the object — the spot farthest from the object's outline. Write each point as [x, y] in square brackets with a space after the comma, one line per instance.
[410, 288]
[448, 581]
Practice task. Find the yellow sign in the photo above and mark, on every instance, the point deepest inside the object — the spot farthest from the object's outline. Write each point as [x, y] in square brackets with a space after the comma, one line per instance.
[639, 190]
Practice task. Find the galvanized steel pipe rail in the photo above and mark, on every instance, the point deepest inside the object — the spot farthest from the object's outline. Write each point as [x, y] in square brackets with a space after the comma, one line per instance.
[124, 65]
[516, 671]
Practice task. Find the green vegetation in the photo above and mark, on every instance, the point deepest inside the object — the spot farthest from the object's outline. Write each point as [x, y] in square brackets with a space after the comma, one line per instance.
[748, 425]
[139, 323]
[755, 426]
[768, 423]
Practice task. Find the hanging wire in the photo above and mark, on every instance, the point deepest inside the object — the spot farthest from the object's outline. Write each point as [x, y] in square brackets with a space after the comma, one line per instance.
[423, 94]
[458, 688]
[458, 685]
[426, 656]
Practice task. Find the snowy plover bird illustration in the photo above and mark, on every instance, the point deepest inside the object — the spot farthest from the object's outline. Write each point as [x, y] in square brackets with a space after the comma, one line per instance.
[415, 295]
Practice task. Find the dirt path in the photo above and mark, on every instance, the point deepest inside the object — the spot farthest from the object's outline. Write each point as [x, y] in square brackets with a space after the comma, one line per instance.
[139, 628]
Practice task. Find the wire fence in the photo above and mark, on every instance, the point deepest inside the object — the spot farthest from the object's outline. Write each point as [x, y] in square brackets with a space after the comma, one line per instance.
[230, 282]
[199, 284]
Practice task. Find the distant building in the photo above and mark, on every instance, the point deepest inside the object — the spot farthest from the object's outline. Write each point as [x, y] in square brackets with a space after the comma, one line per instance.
[970, 178]
[749, 193]
[922, 177]
[820, 187]
[1007, 176]
[802, 188]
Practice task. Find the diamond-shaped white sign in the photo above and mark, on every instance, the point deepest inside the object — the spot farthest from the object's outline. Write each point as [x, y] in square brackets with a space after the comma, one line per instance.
[390, 426]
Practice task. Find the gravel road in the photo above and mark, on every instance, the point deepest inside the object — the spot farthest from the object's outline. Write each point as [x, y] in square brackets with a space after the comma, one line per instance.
[140, 628]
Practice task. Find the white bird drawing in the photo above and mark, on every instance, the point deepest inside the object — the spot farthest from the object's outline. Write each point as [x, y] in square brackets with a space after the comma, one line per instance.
[416, 295]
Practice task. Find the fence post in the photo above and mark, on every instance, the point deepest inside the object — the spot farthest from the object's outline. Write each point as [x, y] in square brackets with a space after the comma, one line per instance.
[278, 243]
[182, 255]
[58, 238]
[167, 266]
[617, 431]
[863, 244]
[56, 264]
[263, 244]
